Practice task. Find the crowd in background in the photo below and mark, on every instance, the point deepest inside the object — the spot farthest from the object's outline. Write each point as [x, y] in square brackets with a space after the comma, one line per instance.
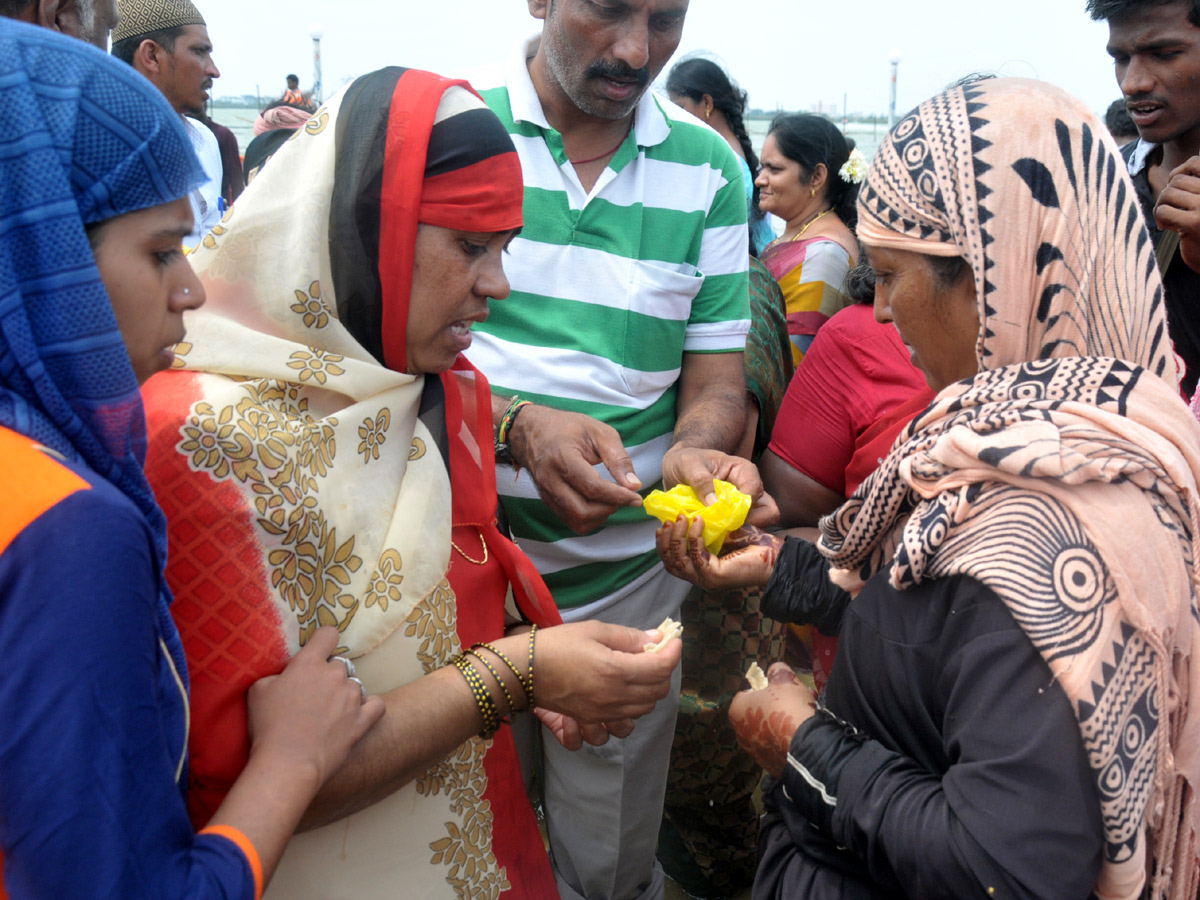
[323, 567]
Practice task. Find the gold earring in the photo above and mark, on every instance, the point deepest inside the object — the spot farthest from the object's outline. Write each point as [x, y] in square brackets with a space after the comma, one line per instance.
[812, 192]
[707, 114]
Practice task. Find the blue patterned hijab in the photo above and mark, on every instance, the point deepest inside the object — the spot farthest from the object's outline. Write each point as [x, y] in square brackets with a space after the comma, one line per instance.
[83, 138]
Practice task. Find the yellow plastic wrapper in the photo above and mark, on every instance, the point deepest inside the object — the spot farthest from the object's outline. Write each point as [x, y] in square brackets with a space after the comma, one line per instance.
[726, 514]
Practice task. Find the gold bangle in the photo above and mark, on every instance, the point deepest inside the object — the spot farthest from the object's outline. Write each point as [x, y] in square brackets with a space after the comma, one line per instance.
[483, 697]
[512, 708]
[508, 662]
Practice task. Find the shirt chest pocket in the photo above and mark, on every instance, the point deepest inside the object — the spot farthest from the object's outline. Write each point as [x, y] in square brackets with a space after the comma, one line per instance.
[659, 305]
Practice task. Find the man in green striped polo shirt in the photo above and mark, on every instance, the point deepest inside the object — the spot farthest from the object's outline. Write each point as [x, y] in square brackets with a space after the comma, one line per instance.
[625, 329]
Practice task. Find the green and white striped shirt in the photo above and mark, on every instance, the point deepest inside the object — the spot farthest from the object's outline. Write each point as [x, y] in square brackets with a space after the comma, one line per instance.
[609, 290]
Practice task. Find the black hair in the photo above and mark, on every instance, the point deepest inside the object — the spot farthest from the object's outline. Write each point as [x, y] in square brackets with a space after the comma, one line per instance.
[95, 232]
[697, 76]
[969, 79]
[947, 270]
[126, 49]
[14, 8]
[808, 140]
[295, 78]
[1109, 10]
[859, 284]
[262, 148]
[1118, 121]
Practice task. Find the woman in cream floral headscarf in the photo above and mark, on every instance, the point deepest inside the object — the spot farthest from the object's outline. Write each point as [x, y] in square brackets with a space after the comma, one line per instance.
[324, 456]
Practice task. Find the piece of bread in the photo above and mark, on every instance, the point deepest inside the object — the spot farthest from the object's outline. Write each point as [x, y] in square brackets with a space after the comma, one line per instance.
[668, 629]
[756, 677]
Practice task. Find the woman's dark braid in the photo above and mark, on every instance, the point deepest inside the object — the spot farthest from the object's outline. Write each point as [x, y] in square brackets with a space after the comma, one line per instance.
[733, 115]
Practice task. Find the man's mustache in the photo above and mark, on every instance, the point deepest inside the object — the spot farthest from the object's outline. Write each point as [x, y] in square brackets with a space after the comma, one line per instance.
[618, 71]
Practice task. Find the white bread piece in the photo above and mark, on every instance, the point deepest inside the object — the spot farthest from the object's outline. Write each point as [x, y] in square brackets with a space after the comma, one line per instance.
[756, 677]
[668, 629]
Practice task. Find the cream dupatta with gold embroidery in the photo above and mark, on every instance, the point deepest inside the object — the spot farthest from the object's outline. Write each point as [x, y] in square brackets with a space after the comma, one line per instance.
[335, 509]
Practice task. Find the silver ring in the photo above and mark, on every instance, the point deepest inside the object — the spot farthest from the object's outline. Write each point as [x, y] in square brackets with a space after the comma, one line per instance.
[345, 662]
[361, 689]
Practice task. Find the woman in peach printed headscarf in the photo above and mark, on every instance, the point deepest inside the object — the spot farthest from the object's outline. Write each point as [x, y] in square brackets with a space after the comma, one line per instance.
[1010, 712]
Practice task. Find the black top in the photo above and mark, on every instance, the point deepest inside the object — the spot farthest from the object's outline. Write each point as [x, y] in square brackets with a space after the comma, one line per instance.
[1181, 286]
[947, 763]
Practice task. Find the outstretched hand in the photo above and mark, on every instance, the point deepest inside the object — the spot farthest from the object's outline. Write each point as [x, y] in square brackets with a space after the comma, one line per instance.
[747, 559]
[697, 468]
[559, 450]
[766, 721]
[311, 712]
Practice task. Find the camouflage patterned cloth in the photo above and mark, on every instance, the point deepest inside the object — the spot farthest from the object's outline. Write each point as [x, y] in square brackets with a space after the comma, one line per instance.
[710, 807]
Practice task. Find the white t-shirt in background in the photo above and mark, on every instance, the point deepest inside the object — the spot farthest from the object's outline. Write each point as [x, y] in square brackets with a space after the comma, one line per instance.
[205, 199]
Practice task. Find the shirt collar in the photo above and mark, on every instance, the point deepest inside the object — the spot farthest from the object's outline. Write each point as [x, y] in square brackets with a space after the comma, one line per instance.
[1137, 160]
[650, 123]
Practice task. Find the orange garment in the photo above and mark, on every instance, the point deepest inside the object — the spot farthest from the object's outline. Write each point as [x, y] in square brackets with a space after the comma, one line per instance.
[44, 482]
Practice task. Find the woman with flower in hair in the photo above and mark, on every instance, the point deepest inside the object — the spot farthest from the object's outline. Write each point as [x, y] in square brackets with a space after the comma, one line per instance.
[324, 455]
[1010, 712]
[809, 178]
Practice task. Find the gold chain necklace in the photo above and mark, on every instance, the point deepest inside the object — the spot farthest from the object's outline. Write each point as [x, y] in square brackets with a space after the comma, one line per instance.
[808, 224]
[803, 228]
[476, 562]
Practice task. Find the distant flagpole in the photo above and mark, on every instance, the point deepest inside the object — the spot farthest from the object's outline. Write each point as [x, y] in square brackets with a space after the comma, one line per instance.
[894, 59]
[316, 32]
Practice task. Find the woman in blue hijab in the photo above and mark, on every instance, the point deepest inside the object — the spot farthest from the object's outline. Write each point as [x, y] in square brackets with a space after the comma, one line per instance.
[95, 169]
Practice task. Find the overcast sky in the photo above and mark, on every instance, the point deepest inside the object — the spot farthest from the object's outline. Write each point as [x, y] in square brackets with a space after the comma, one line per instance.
[788, 54]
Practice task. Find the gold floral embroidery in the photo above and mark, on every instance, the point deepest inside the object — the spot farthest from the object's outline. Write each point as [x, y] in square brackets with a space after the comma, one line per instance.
[240, 251]
[466, 849]
[316, 365]
[317, 123]
[210, 239]
[270, 442]
[309, 306]
[373, 433]
[385, 583]
[433, 620]
[317, 451]
[182, 349]
[203, 436]
[417, 450]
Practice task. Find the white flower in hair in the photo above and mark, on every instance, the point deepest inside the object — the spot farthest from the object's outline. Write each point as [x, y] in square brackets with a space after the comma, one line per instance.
[854, 169]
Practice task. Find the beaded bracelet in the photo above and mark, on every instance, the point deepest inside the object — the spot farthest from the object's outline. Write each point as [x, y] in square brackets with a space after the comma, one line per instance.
[503, 450]
[483, 697]
[508, 662]
[510, 416]
[500, 681]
